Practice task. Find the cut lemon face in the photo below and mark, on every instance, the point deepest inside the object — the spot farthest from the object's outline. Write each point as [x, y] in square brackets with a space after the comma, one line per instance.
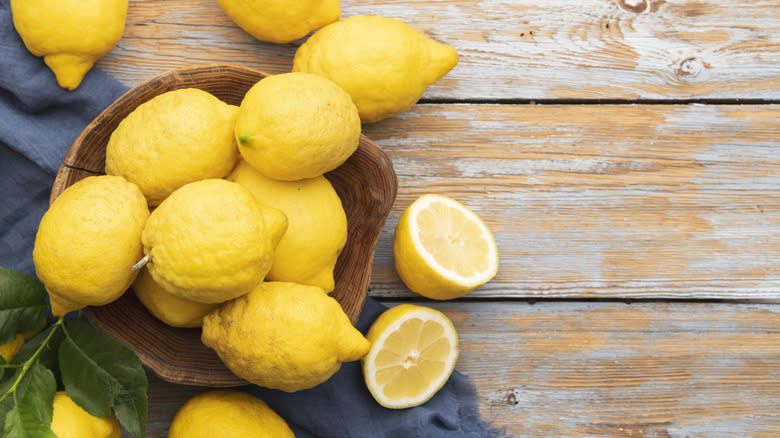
[413, 353]
[442, 249]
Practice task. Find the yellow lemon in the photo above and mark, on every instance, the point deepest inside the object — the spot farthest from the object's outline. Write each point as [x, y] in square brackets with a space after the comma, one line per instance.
[70, 34]
[69, 420]
[413, 353]
[442, 249]
[208, 242]
[317, 230]
[167, 307]
[227, 414]
[281, 21]
[9, 349]
[88, 241]
[176, 138]
[284, 336]
[296, 125]
[381, 62]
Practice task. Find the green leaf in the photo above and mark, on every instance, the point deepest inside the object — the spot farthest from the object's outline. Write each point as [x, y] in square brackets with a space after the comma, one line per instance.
[39, 394]
[23, 305]
[48, 356]
[8, 404]
[100, 373]
[21, 422]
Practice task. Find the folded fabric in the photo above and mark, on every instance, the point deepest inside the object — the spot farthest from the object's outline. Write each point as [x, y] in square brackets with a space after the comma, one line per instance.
[38, 123]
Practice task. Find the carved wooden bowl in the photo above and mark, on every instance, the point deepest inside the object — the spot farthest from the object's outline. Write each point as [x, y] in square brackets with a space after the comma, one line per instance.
[366, 184]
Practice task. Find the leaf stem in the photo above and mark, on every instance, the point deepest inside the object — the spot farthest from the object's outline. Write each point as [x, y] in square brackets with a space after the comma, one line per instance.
[29, 363]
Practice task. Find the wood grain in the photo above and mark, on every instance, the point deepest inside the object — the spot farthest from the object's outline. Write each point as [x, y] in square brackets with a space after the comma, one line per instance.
[520, 49]
[605, 369]
[617, 201]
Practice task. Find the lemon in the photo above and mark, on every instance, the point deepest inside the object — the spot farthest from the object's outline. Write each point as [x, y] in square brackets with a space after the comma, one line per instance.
[208, 242]
[88, 241]
[413, 353]
[317, 230]
[296, 125]
[227, 414]
[69, 420]
[167, 307]
[280, 21]
[442, 249]
[70, 34]
[284, 336]
[381, 62]
[10, 348]
[176, 138]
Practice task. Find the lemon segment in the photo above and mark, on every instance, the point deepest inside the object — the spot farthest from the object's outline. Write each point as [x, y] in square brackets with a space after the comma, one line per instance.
[413, 353]
[442, 249]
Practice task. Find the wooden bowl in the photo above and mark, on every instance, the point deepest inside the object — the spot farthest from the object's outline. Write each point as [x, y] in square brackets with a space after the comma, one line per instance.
[366, 184]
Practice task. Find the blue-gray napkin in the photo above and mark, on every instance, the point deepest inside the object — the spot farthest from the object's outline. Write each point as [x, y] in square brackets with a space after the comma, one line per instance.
[38, 123]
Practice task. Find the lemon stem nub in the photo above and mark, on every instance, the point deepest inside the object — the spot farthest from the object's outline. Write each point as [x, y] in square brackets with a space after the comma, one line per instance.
[245, 139]
[141, 263]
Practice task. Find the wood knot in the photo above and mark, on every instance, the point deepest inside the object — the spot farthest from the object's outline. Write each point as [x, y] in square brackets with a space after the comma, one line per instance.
[689, 67]
[637, 6]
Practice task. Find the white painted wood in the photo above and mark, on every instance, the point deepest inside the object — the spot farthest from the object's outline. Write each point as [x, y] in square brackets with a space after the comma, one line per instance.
[510, 49]
[604, 369]
[601, 201]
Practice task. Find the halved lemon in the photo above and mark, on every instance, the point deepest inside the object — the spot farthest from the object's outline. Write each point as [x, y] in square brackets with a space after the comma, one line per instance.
[413, 353]
[442, 249]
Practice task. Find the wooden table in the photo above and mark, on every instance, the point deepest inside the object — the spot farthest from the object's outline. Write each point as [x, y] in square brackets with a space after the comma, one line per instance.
[626, 154]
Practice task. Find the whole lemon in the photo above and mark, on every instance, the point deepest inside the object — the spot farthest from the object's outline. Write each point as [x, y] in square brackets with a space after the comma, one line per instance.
[69, 420]
[70, 34]
[227, 414]
[167, 307]
[284, 336]
[208, 242]
[381, 62]
[176, 138]
[317, 230]
[88, 241]
[296, 125]
[281, 21]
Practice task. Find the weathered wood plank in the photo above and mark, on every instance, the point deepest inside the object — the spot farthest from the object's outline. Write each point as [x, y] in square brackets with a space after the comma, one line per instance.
[521, 49]
[601, 201]
[605, 369]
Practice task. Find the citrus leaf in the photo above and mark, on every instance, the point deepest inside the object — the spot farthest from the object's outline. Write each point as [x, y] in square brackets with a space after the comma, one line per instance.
[22, 304]
[21, 422]
[39, 394]
[9, 402]
[48, 356]
[100, 373]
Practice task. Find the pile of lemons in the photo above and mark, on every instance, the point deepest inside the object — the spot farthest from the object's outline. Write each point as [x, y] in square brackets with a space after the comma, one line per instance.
[220, 217]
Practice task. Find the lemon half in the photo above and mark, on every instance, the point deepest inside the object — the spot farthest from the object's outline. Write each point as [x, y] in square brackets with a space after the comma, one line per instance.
[413, 353]
[442, 249]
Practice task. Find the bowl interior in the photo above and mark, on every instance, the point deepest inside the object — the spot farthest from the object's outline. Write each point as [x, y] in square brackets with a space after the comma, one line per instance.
[366, 184]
